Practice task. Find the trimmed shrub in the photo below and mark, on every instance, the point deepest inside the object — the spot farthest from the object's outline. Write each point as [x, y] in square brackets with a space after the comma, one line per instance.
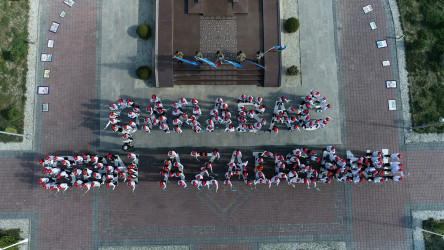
[144, 31]
[11, 130]
[291, 25]
[143, 72]
[293, 71]
[13, 114]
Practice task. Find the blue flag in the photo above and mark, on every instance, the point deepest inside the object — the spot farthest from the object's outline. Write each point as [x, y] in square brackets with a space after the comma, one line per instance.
[207, 62]
[187, 61]
[263, 67]
[233, 63]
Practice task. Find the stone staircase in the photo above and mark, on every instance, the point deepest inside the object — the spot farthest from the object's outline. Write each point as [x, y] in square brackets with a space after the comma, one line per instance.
[225, 75]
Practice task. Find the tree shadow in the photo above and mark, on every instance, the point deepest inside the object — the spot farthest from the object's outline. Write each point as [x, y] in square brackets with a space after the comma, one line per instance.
[132, 31]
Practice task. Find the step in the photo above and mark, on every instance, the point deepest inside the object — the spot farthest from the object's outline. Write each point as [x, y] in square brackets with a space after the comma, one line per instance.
[221, 71]
[225, 82]
[225, 66]
[218, 77]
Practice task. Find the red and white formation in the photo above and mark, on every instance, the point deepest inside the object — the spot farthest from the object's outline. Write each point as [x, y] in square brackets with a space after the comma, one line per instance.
[184, 112]
[301, 166]
[88, 171]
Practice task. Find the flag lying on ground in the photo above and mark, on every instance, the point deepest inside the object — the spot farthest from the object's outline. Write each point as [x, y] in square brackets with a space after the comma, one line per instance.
[233, 63]
[187, 61]
[276, 49]
[207, 62]
[255, 64]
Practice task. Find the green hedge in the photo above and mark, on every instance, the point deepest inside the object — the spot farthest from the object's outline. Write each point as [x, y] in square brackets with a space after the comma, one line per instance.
[293, 70]
[292, 25]
[143, 72]
[144, 31]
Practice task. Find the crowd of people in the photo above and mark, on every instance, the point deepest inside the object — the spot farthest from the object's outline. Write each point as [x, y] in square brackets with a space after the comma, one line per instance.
[172, 168]
[88, 171]
[301, 166]
[299, 117]
[248, 110]
[307, 167]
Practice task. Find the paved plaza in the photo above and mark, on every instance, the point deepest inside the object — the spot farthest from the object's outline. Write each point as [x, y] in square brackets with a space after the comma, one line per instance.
[95, 56]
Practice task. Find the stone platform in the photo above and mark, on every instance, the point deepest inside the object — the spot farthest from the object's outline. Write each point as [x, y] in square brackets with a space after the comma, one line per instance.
[181, 27]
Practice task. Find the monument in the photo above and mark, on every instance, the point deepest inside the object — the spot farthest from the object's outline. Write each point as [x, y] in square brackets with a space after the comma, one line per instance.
[216, 25]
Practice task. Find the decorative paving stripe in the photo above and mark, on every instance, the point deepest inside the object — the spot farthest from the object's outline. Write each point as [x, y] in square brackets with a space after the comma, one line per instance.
[159, 247]
[304, 246]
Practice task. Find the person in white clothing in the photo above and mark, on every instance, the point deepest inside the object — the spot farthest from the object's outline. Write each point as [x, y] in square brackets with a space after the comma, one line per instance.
[182, 183]
[261, 181]
[196, 183]
[323, 107]
[177, 105]
[212, 183]
[183, 101]
[132, 184]
[111, 184]
[395, 156]
[87, 185]
[242, 98]
[203, 170]
[293, 181]
[113, 107]
[195, 154]
[177, 112]
[172, 154]
[227, 182]
[155, 99]
[229, 128]
[276, 180]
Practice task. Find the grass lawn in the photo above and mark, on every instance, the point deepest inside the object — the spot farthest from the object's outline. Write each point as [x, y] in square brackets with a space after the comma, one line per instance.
[13, 66]
[433, 242]
[9, 237]
[423, 25]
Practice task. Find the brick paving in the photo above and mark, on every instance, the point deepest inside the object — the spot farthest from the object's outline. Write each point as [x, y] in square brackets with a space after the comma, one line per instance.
[69, 124]
[205, 220]
[378, 211]
[67, 127]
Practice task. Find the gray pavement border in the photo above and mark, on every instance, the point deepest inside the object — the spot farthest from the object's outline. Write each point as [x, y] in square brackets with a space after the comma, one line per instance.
[96, 139]
[32, 216]
[39, 80]
[98, 81]
[254, 240]
[343, 123]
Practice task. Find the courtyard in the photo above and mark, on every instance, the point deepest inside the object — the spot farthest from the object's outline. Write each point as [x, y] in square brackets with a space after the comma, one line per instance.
[95, 54]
